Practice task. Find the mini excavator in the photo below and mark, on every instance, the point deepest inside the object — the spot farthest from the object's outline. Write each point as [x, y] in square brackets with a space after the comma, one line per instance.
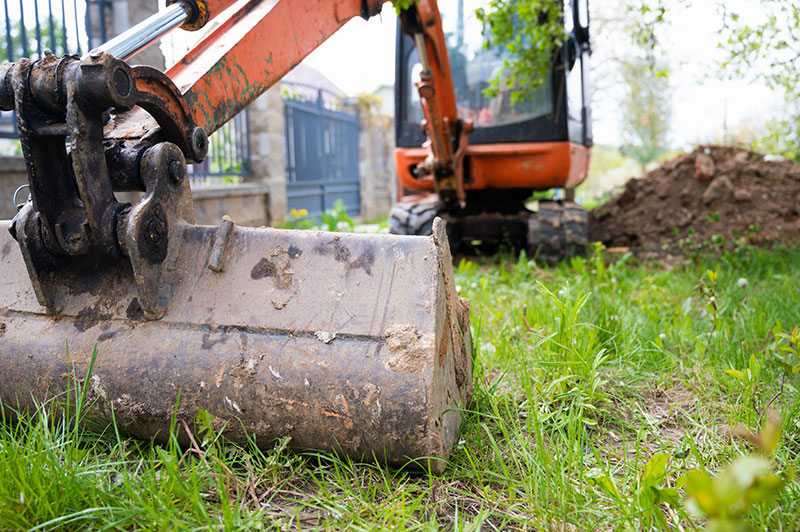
[357, 344]
[474, 160]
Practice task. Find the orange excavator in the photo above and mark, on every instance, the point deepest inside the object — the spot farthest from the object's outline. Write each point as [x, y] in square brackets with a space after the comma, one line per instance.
[357, 344]
[475, 160]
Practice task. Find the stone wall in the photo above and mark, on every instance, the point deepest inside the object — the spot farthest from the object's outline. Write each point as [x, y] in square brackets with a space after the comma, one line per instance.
[268, 149]
[125, 14]
[376, 168]
[12, 175]
[247, 204]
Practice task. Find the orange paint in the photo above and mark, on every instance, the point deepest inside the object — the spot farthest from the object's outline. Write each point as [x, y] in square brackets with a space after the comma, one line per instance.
[532, 165]
[252, 46]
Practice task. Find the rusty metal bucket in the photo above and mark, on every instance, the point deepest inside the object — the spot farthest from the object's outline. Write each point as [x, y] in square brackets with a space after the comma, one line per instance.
[345, 342]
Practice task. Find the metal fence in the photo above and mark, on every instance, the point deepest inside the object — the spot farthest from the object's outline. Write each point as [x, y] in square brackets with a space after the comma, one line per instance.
[321, 150]
[61, 26]
[228, 159]
[75, 27]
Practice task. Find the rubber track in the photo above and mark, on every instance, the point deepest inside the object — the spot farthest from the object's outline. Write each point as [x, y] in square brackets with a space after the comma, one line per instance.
[413, 218]
[558, 231]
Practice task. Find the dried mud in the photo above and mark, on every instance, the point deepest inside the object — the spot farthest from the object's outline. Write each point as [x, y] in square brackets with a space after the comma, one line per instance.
[745, 197]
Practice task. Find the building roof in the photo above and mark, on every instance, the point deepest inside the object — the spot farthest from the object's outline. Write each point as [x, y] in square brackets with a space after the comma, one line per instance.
[310, 77]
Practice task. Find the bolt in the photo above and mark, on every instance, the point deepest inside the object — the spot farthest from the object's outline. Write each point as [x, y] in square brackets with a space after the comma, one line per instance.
[73, 241]
[177, 171]
[199, 143]
[122, 83]
[96, 53]
[156, 230]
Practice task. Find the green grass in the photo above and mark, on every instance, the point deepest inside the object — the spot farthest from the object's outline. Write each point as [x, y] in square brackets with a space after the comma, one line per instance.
[599, 386]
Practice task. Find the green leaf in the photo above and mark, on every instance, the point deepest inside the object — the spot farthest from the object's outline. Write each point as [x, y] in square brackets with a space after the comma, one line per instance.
[755, 367]
[597, 477]
[655, 469]
[770, 434]
[765, 488]
[736, 373]
[700, 489]
[667, 495]
[739, 476]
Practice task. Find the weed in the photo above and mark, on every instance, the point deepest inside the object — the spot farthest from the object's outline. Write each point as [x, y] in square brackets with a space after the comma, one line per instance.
[337, 219]
[334, 219]
[747, 481]
[298, 219]
[602, 401]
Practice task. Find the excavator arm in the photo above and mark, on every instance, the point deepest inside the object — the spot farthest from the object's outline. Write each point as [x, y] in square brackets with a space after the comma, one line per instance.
[250, 47]
[446, 133]
[229, 69]
[346, 342]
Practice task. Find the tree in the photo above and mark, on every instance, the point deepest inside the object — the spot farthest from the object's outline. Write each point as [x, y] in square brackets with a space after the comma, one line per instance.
[31, 44]
[763, 46]
[532, 31]
[768, 50]
[646, 104]
[645, 110]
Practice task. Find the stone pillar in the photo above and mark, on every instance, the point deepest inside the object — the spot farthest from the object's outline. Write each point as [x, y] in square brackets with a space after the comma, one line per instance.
[121, 15]
[12, 175]
[376, 166]
[268, 149]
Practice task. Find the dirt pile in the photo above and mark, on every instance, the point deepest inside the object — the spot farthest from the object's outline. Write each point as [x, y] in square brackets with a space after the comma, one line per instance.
[713, 191]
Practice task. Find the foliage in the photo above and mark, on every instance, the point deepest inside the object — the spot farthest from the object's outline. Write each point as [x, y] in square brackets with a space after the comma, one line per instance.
[368, 104]
[767, 49]
[333, 219]
[601, 402]
[645, 109]
[788, 353]
[337, 219]
[531, 31]
[54, 44]
[747, 481]
[402, 5]
[298, 219]
[782, 137]
[646, 103]
[223, 160]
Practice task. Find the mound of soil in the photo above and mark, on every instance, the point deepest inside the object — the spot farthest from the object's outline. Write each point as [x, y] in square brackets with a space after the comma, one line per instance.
[715, 190]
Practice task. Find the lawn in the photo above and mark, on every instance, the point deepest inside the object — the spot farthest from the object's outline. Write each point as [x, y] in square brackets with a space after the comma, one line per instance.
[611, 393]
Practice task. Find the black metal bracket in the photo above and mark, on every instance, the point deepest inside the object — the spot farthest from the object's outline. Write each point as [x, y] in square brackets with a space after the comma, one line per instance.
[62, 105]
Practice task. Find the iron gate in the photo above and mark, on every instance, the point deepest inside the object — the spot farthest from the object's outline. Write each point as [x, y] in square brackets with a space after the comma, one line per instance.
[76, 26]
[321, 150]
[61, 26]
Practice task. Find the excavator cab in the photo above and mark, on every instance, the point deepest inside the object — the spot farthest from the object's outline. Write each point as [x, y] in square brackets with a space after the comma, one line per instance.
[512, 150]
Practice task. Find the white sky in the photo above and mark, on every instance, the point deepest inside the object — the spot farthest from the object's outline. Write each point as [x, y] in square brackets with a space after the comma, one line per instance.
[360, 57]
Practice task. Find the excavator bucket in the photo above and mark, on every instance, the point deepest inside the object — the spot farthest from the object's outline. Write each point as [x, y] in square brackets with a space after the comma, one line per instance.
[353, 343]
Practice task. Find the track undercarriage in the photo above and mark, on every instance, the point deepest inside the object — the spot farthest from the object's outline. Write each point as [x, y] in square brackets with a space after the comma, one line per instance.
[555, 231]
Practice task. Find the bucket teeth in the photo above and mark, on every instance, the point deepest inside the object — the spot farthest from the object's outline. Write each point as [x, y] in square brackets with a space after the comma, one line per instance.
[346, 342]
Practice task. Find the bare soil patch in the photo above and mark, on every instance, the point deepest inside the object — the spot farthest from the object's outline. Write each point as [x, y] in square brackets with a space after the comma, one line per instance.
[714, 190]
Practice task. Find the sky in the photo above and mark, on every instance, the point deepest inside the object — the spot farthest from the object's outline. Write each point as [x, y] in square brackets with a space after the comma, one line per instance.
[360, 57]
